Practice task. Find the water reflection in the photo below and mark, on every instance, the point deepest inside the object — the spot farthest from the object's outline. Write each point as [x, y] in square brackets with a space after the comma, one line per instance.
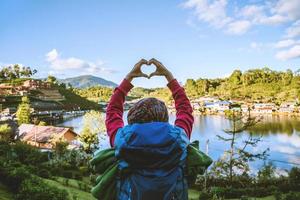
[281, 134]
[277, 125]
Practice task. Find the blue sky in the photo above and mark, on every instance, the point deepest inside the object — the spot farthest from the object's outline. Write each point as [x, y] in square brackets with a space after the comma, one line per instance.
[193, 38]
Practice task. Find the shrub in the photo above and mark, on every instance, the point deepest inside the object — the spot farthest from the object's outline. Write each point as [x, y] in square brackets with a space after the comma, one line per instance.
[205, 196]
[36, 189]
[13, 177]
[244, 198]
[292, 196]
[67, 174]
[44, 173]
[75, 197]
[80, 185]
[294, 178]
[84, 171]
[77, 175]
[93, 179]
[29, 155]
[219, 191]
[278, 195]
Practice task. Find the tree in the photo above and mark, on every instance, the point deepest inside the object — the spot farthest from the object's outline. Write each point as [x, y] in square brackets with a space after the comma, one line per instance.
[23, 112]
[93, 124]
[42, 123]
[51, 79]
[5, 132]
[235, 77]
[60, 146]
[15, 71]
[287, 77]
[236, 158]
[89, 139]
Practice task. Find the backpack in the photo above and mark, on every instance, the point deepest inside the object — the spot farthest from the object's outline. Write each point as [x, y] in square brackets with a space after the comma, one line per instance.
[151, 162]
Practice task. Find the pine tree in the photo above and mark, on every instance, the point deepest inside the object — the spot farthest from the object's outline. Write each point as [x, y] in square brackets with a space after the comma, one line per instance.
[238, 156]
[5, 132]
[23, 112]
[93, 124]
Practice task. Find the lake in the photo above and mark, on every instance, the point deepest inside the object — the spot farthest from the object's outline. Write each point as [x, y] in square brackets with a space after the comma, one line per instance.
[281, 134]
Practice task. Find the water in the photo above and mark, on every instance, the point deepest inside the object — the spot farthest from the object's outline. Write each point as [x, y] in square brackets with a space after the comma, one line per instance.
[281, 134]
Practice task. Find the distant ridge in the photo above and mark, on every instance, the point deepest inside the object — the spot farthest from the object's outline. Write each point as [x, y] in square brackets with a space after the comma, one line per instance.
[86, 81]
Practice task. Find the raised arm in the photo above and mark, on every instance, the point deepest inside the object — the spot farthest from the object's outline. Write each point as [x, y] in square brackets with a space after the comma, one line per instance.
[184, 110]
[114, 111]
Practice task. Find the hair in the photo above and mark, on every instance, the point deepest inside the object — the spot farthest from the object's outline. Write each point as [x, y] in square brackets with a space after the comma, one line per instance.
[148, 110]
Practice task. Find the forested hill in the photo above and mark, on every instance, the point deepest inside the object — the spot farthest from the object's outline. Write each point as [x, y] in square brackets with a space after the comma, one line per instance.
[87, 81]
[255, 84]
[263, 85]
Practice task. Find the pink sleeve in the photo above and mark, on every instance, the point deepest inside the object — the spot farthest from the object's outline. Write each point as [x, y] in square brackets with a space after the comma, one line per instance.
[184, 110]
[114, 111]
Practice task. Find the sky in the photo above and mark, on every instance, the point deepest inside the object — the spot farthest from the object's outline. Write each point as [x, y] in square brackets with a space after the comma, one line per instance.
[192, 38]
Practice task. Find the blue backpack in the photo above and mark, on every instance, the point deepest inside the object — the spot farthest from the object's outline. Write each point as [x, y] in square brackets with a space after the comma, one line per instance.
[151, 162]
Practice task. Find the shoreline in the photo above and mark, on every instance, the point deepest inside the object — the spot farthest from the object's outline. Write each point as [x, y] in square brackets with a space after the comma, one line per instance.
[251, 113]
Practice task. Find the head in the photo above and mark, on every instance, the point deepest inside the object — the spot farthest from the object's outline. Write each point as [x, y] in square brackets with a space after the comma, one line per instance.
[148, 110]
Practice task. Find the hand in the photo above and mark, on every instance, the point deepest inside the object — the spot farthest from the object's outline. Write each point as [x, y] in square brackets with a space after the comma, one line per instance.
[136, 71]
[161, 70]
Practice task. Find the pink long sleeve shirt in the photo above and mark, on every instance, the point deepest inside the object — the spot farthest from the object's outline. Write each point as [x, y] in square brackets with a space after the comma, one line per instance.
[114, 112]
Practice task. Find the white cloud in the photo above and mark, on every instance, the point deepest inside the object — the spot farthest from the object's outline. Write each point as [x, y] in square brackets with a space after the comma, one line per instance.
[286, 43]
[72, 63]
[52, 55]
[294, 30]
[252, 11]
[213, 13]
[238, 27]
[293, 52]
[293, 140]
[289, 8]
[286, 149]
[235, 20]
[273, 20]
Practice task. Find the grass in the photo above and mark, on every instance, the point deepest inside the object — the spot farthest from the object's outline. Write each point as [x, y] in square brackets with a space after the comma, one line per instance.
[72, 188]
[193, 194]
[5, 194]
[261, 198]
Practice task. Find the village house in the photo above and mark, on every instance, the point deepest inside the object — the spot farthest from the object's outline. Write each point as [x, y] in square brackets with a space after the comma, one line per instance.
[219, 106]
[206, 99]
[196, 105]
[288, 107]
[222, 106]
[7, 89]
[246, 107]
[9, 111]
[264, 108]
[42, 136]
[2, 99]
[36, 84]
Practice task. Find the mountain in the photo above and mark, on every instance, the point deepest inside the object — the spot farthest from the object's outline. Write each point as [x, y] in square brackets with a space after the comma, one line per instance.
[86, 81]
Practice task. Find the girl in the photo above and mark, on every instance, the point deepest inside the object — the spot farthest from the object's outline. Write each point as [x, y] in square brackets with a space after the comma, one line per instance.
[149, 146]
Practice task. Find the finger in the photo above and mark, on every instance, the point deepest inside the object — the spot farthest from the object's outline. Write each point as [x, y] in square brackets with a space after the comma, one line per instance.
[143, 61]
[140, 63]
[144, 75]
[152, 61]
[156, 62]
[154, 74]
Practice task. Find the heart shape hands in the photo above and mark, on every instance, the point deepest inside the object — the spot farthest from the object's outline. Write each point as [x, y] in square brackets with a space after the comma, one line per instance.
[161, 70]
